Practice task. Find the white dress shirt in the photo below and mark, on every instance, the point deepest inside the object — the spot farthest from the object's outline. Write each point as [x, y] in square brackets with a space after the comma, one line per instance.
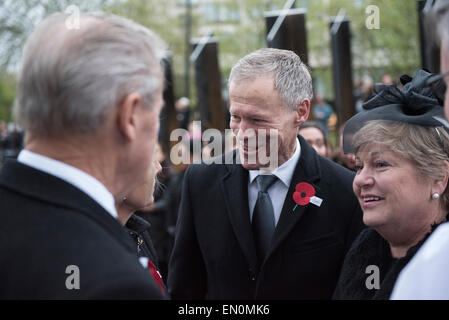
[426, 276]
[278, 191]
[83, 181]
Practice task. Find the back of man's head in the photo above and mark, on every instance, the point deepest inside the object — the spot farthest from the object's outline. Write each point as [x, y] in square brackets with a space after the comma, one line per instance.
[71, 79]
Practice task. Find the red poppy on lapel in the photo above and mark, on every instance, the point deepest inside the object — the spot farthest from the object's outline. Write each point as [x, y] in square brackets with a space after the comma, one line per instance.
[156, 276]
[304, 191]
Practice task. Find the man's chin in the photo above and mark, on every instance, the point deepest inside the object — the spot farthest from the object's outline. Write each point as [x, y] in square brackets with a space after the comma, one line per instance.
[250, 165]
[250, 162]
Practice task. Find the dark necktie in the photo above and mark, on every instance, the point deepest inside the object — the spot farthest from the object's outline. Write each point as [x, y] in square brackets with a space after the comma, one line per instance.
[263, 217]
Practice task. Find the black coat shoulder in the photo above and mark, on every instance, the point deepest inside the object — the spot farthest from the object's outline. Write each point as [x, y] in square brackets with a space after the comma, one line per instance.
[50, 228]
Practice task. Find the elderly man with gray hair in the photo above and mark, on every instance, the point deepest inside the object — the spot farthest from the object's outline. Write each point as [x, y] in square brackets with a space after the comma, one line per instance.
[272, 220]
[89, 101]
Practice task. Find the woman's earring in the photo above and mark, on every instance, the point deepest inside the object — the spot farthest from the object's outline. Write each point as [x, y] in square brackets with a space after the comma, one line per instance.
[435, 196]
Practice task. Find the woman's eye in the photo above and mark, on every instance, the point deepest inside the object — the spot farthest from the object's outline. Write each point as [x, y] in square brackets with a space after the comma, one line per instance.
[382, 164]
[358, 167]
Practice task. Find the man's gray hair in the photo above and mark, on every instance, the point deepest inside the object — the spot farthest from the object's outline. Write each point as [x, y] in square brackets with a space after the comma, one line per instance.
[291, 76]
[71, 80]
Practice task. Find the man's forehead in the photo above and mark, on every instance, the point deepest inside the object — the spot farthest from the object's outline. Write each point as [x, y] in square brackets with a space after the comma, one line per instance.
[252, 93]
[247, 100]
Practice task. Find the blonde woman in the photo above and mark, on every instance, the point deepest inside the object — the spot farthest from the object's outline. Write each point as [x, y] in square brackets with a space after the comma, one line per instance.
[402, 170]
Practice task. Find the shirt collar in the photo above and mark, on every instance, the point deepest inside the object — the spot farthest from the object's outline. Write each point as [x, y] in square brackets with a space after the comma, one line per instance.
[285, 171]
[83, 181]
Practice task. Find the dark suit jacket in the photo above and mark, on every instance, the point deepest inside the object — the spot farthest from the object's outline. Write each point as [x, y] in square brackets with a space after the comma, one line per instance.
[47, 225]
[214, 254]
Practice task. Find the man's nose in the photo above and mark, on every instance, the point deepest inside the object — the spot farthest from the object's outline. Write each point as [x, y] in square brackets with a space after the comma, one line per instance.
[240, 125]
[246, 129]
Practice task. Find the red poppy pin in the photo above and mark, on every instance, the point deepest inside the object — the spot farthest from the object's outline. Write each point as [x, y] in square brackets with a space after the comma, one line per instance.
[304, 194]
[156, 276]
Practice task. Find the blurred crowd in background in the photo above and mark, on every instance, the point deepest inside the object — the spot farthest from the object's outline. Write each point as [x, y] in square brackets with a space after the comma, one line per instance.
[11, 140]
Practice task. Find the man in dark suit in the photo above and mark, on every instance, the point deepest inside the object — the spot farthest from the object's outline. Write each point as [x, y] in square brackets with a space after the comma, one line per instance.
[89, 100]
[257, 229]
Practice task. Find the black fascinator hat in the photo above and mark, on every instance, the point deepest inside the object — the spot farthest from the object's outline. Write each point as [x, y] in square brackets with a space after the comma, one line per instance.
[420, 102]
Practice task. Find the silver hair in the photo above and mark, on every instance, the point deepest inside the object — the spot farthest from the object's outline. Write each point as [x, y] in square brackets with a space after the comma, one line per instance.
[291, 76]
[71, 79]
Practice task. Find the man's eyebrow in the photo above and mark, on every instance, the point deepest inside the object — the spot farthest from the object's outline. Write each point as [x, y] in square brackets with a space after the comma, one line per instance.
[253, 115]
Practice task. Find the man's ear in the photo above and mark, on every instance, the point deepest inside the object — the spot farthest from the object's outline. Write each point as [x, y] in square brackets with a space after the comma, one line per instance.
[302, 112]
[127, 115]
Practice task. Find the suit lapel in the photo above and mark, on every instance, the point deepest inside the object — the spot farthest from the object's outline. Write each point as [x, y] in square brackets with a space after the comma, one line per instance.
[307, 170]
[235, 189]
